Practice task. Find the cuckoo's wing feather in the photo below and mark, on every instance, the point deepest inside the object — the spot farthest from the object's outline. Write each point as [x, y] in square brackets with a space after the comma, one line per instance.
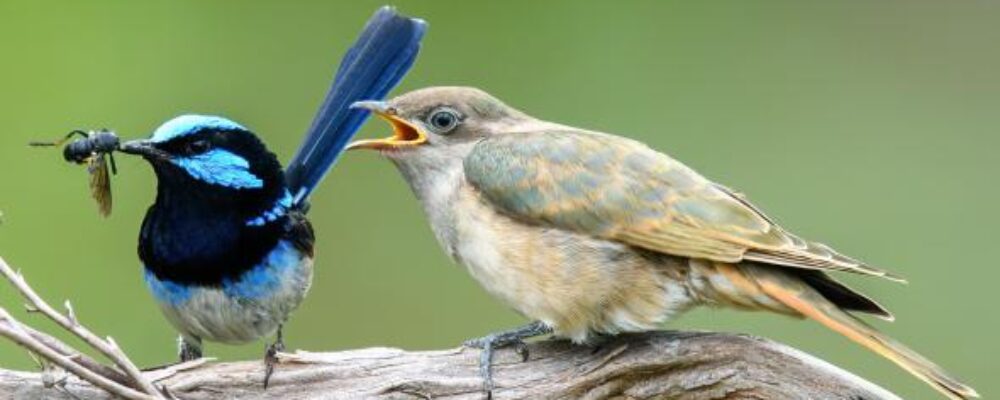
[620, 189]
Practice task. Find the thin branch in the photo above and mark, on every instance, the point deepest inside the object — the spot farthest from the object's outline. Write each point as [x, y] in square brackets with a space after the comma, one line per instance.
[108, 348]
[167, 371]
[77, 357]
[12, 329]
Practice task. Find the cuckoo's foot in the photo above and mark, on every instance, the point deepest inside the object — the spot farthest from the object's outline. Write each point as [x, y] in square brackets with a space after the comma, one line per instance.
[271, 356]
[514, 337]
[188, 348]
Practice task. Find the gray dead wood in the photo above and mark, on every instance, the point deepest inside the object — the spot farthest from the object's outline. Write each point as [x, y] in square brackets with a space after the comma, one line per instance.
[663, 365]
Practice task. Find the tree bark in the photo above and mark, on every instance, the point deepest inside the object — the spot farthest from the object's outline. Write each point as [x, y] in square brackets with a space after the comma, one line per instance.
[667, 365]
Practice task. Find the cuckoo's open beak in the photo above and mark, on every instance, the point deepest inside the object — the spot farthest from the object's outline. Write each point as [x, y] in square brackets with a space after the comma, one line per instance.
[404, 133]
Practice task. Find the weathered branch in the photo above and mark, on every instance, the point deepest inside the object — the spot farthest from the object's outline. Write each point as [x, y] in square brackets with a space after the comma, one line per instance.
[673, 365]
[670, 365]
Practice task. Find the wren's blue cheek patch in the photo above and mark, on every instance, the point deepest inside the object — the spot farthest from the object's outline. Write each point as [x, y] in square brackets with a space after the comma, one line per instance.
[220, 167]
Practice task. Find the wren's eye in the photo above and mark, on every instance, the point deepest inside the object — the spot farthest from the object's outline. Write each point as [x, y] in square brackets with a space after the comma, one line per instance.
[443, 120]
[198, 146]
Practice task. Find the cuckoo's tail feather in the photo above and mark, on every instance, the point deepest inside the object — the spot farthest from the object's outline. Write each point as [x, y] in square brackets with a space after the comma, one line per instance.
[841, 295]
[799, 296]
[382, 54]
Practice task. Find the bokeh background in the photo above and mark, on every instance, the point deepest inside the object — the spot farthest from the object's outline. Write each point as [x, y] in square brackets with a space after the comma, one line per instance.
[872, 126]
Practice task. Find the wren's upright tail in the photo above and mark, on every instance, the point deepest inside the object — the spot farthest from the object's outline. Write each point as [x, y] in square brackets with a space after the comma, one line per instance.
[815, 295]
[377, 61]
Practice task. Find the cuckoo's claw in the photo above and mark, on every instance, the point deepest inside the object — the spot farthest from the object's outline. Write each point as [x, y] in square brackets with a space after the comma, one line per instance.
[271, 357]
[514, 337]
[522, 349]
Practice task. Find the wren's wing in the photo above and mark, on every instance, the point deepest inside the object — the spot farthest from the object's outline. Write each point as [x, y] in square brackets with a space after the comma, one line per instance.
[382, 54]
[620, 189]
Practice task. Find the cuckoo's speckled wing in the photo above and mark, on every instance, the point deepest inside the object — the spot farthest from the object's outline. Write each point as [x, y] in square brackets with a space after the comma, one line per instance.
[619, 189]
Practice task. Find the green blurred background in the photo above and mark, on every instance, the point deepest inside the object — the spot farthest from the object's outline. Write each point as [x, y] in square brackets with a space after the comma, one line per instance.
[869, 125]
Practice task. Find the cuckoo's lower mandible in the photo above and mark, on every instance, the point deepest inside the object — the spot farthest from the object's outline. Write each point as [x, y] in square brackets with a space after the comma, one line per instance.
[588, 233]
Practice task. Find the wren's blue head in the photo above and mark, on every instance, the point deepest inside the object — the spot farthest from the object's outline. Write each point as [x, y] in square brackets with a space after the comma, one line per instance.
[214, 156]
[221, 199]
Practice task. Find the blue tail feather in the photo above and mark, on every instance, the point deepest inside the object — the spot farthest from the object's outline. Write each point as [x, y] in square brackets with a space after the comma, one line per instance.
[382, 54]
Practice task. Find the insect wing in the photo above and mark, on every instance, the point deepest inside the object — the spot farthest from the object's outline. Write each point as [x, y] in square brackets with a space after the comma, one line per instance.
[100, 183]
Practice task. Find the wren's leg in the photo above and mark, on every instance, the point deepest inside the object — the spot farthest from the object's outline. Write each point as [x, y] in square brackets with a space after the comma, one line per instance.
[271, 356]
[492, 341]
[189, 348]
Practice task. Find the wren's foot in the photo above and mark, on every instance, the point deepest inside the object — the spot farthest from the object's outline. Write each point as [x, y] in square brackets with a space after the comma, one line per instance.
[188, 348]
[271, 356]
[514, 337]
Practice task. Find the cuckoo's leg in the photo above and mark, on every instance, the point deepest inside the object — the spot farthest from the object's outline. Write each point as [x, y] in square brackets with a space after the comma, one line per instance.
[513, 337]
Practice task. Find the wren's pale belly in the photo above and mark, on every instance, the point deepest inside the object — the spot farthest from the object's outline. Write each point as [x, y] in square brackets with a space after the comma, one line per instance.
[241, 310]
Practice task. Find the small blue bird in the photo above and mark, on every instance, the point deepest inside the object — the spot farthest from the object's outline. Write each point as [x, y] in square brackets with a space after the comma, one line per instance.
[227, 249]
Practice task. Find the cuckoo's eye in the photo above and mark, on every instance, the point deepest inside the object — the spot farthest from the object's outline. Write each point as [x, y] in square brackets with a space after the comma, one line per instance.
[443, 120]
[198, 146]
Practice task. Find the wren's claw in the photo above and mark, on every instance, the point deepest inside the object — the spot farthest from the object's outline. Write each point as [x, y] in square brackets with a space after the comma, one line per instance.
[188, 348]
[271, 357]
[514, 337]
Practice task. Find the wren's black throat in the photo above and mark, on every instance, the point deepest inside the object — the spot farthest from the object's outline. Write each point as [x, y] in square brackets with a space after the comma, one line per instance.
[196, 232]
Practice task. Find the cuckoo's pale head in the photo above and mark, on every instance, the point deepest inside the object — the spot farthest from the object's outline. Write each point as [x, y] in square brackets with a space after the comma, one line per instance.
[434, 130]
[438, 121]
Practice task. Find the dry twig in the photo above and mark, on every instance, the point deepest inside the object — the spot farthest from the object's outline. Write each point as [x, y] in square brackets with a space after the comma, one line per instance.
[58, 353]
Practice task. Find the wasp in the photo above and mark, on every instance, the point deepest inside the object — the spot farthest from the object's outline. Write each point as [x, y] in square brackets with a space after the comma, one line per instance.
[95, 149]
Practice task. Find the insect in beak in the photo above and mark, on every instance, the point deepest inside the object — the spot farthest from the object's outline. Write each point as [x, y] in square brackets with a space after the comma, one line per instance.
[94, 149]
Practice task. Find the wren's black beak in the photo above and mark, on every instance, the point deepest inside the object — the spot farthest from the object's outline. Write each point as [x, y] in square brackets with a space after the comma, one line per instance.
[144, 148]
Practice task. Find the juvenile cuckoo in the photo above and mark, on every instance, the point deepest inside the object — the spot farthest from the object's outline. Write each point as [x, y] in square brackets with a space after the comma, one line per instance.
[589, 234]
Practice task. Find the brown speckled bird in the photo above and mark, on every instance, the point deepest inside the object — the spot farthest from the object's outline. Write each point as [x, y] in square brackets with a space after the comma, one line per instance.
[594, 234]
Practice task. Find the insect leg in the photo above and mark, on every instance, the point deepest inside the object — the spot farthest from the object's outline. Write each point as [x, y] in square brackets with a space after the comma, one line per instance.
[114, 168]
[60, 141]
